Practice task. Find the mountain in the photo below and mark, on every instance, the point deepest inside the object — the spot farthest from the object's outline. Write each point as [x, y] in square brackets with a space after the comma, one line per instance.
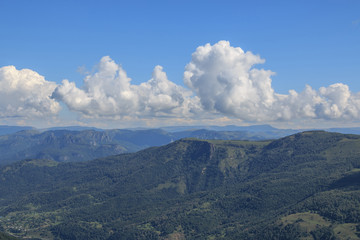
[82, 145]
[5, 129]
[354, 130]
[72, 128]
[252, 128]
[73, 146]
[304, 186]
[75, 143]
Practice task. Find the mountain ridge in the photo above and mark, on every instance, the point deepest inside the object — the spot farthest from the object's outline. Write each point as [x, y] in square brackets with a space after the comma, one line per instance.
[244, 189]
[72, 145]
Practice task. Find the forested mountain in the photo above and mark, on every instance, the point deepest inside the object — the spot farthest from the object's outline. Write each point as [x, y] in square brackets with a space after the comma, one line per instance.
[69, 146]
[304, 186]
[64, 145]
[75, 143]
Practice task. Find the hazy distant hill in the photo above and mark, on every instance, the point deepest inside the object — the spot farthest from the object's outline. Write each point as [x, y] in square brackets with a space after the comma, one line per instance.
[304, 186]
[4, 129]
[252, 128]
[72, 128]
[354, 130]
[73, 146]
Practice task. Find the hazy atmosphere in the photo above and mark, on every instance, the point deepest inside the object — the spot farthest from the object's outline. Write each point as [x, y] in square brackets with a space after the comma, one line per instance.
[117, 64]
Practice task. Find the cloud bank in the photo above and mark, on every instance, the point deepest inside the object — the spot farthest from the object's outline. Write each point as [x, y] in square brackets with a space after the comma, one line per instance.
[109, 93]
[221, 80]
[226, 81]
[24, 93]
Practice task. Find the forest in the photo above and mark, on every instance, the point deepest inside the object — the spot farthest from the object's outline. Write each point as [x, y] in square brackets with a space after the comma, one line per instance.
[303, 186]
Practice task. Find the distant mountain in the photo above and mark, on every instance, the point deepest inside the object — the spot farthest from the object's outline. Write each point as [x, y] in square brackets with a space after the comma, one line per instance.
[82, 145]
[5, 129]
[253, 128]
[72, 128]
[355, 130]
[72, 144]
[304, 186]
[261, 129]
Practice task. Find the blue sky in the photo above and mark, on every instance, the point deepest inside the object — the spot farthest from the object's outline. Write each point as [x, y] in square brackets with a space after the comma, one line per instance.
[313, 43]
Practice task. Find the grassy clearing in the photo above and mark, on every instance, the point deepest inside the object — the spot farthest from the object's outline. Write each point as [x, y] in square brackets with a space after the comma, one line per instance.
[346, 231]
[308, 221]
[311, 221]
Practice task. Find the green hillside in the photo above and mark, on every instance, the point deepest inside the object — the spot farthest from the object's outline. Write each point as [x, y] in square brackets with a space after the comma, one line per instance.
[305, 186]
[77, 144]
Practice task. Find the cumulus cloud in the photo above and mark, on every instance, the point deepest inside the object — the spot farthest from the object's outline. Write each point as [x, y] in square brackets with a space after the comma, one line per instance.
[109, 93]
[222, 81]
[226, 81]
[329, 103]
[159, 96]
[26, 94]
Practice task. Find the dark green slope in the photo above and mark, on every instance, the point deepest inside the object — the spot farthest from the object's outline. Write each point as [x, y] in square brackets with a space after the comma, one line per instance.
[191, 188]
[4, 236]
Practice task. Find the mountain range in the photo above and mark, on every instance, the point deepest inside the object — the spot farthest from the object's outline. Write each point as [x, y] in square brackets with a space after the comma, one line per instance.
[303, 186]
[75, 143]
[80, 144]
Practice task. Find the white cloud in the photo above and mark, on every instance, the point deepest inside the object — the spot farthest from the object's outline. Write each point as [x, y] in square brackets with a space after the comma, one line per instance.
[335, 102]
[223, 83]
[226, 81]
[161, 97]
[109, 93]
[25, 94]
[339, 102]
